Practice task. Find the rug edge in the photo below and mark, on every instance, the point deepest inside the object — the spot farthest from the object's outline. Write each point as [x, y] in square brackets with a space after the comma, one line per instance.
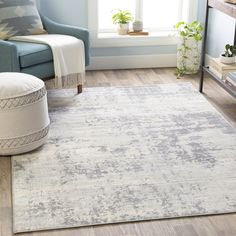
[126, 222]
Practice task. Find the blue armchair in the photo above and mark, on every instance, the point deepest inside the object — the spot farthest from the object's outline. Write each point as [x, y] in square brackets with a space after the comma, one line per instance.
[37, 59]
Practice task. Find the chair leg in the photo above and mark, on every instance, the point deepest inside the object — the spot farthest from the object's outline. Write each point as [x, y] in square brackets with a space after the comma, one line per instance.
[79, 88]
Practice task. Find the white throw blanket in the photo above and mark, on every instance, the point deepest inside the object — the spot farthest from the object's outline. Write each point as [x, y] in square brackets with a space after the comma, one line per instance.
[68, 57]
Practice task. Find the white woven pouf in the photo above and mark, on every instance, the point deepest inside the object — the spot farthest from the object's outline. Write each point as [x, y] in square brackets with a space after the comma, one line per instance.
[24, 120]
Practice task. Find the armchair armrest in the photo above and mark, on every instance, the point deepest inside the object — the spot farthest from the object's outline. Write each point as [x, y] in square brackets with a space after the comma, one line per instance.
[81, 33]
[8, 57]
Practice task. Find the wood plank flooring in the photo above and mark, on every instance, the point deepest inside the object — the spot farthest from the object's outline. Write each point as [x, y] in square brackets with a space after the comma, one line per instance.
[221, 225]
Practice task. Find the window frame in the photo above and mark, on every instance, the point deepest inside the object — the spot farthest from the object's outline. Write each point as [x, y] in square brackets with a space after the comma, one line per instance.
[112, 39]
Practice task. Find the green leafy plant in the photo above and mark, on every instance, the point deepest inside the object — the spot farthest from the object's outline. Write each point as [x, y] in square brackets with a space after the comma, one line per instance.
[230, 51]
[188, 31]
[122, 17]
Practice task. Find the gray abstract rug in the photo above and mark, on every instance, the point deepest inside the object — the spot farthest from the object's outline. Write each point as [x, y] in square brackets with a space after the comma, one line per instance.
[126, 154]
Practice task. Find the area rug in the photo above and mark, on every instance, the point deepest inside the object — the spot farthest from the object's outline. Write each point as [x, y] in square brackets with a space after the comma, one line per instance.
[126, 154]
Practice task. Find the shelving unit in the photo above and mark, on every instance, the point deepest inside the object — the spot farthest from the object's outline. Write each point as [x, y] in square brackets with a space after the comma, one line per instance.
[229, 9]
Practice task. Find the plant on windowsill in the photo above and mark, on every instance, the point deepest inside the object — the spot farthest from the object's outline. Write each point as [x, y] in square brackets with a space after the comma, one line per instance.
[137, 26]
[228, 57]
[189, 47]
[122, 18]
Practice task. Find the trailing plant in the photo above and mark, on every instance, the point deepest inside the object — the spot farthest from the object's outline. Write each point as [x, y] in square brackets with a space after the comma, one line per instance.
[191, 30]
[230, 51]
[122, 17]
[188, 32]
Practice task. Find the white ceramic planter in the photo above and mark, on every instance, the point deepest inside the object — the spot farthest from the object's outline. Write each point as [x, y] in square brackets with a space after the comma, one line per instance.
[123, 29]
[227, 60]
[188, 55]
[138, 26]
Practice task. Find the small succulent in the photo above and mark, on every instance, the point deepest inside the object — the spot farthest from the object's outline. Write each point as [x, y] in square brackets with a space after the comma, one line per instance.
[230, 51]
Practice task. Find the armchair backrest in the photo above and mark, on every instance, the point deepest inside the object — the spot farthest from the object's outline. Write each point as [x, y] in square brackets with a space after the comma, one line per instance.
[53, 27]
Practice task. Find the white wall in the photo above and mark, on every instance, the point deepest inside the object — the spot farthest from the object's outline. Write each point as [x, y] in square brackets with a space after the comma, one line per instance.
[221, 32]
[221, 29]
[73, 12]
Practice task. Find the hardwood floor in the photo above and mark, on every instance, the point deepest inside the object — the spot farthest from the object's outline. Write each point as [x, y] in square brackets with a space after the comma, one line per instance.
[221, 225]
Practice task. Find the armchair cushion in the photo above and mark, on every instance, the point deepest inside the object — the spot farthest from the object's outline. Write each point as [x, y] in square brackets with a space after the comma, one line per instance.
[19, 18]
[43, 71]
[32, 53]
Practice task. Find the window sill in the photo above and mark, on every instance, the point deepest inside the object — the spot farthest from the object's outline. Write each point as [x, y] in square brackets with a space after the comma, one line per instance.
[115, 40]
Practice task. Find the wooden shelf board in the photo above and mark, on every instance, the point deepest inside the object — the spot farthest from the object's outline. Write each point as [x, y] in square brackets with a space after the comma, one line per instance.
[227, 8]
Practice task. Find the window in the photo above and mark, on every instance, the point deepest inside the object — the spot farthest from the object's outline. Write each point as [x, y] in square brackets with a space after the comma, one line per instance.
[106, 9]
[158, 16]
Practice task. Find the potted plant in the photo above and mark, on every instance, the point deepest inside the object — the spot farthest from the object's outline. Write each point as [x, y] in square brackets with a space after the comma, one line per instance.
[122, 18]
[189, 47]
[137, 26]
[228, 57]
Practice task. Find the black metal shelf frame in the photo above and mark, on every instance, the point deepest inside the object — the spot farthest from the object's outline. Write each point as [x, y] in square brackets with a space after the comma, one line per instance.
[206, 69]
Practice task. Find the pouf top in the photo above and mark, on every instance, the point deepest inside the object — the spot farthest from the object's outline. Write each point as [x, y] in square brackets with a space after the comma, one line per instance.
[18, 84]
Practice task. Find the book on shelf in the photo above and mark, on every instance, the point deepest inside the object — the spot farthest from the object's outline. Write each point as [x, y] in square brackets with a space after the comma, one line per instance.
[220, 74]
[215, 62]
[231, 85]
[232, 75]
[219, 69]
[231, 78]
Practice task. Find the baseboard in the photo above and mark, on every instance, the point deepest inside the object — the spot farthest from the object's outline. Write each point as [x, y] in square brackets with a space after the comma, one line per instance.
[132, 62]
